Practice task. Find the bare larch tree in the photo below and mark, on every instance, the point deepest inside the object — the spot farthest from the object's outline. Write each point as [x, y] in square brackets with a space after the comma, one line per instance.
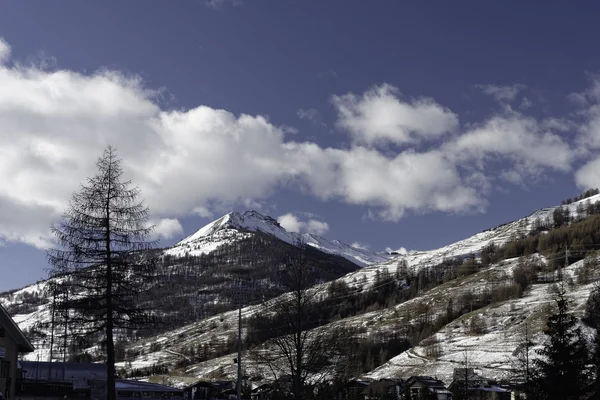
[296, 345]
[103, 259]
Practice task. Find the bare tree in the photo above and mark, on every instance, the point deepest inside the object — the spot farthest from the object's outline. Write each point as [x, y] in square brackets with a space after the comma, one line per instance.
[103, 259]
[295, 344]
[522, 363]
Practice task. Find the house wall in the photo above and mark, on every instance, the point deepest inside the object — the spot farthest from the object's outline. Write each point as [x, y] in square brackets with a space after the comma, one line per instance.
[7, 383]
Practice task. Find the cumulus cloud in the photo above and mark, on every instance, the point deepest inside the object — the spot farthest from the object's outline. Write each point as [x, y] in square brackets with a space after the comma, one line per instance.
[291, 223]
[417, 181]
[167, 228]
[503, 93]
[588, 176]
[589, 136]
[515, 137]
[380, 115]
[54, 125]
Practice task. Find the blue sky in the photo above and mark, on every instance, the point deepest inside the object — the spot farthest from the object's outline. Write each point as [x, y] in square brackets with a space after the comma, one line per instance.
[396, 124]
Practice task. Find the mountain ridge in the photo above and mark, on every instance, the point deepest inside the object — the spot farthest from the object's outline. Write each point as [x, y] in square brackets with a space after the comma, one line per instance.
[236, 225]
[438, 353]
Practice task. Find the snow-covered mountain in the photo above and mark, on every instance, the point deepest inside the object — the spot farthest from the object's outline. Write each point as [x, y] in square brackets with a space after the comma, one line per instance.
[490, 349]
[235, 226]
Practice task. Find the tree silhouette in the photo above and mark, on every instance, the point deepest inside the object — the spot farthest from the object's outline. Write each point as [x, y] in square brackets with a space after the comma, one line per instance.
[562, 370]
[103, 260]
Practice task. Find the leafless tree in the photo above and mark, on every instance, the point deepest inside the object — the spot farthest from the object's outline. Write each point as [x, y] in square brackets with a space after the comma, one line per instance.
[522, 365]
[103, 260]
[295, 344]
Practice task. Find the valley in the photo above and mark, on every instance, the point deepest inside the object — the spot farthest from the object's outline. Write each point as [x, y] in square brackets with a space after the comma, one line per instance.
[449, 305]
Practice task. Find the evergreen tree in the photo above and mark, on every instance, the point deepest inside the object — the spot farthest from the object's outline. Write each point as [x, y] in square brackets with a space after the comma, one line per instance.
[562, 372]
[592, 318]
[104, 260]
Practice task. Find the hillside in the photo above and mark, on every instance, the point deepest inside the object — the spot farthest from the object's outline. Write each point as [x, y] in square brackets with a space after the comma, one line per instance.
[419, 313]
[198, 276]
[437, 320]
[491, 350]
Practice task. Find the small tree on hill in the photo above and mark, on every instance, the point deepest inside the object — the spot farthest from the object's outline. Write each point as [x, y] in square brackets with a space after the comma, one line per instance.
[103, 259]
[562, 371]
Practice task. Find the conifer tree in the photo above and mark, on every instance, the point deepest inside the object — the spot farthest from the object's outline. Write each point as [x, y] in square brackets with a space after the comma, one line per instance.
[103, 259]
[562, 370]
[592, 317]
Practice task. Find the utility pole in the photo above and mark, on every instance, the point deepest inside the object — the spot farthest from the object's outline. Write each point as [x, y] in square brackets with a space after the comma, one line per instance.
[239, 348]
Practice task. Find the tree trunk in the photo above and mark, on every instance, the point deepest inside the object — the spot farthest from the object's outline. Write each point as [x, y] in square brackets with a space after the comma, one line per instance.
[110, 345]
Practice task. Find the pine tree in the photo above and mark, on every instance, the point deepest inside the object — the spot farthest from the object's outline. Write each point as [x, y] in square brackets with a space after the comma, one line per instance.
[562, 372]
[592, 318]
[103, 259]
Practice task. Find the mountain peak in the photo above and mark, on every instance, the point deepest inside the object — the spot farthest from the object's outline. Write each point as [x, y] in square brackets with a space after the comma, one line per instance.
[251, 219]
[235, 225]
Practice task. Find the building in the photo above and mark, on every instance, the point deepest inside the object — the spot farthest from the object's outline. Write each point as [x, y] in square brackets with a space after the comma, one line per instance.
[54, 380]
[12, 342]
[424, 388]
[478, 387]
[84, 381]
[127, 389]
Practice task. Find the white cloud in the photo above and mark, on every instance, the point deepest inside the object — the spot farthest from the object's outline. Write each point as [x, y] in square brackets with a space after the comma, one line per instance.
[202, 212]
[54, 125]
[361, 246]
[167, 228]
[309, 114]
[512, 176]
[379, 115]
[4, 51]
[410, 181]
[525, 103]
[588, 176]
[502, 93]
[516, 138]
[317, 227]
[292, 223]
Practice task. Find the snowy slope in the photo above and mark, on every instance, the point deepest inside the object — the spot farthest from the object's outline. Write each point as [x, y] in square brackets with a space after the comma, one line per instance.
[235, 226]
[499, 235]
[491, 353]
